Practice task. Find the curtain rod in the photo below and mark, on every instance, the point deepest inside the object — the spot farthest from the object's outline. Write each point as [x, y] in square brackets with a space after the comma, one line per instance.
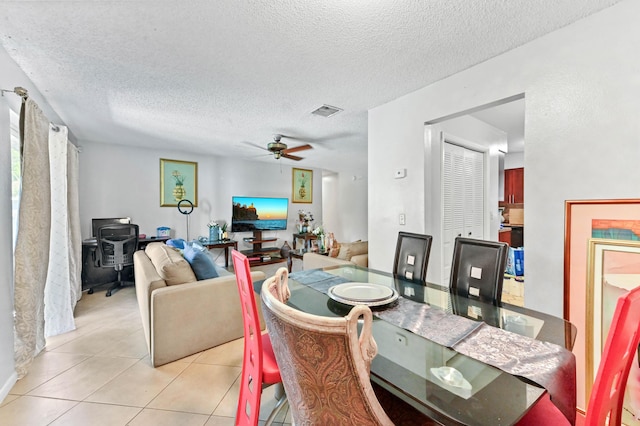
[20, 91]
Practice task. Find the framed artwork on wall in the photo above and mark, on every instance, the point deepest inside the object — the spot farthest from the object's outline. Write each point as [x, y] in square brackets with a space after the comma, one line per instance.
[302, 186]
[584, 220]
[178, 181]
[614, 270]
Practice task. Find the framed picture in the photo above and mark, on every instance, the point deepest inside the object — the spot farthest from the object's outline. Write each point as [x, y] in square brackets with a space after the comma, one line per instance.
[302, 186]
[614, 269]
[584, 220]
[178, 181]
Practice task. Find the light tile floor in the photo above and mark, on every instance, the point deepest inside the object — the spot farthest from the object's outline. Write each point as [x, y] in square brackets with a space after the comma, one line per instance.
[100, 374]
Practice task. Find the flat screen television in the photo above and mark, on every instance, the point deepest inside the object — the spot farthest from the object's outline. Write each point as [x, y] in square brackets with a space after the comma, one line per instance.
[259, 214]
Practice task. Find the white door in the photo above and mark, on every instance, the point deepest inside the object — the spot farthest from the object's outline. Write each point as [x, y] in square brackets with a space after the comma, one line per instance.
[462, 199]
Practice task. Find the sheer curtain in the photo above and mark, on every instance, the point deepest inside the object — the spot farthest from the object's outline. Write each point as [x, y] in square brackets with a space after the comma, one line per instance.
[48, 245]
[63, 286]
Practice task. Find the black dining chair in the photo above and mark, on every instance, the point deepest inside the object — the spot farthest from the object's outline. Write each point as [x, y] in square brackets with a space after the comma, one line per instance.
[116, 245]
[477, 270]
[412, 256]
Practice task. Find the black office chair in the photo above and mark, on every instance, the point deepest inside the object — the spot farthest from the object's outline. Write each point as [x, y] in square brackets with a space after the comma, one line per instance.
[477, 269]
[116, 245]
[412, 256]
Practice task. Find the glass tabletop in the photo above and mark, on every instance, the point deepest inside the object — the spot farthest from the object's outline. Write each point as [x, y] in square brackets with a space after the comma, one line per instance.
[411, 366]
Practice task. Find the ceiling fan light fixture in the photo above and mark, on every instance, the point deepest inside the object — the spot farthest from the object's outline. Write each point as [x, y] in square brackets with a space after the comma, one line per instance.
[326, 111]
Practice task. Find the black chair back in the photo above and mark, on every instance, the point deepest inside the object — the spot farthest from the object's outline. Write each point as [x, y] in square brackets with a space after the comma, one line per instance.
[116, 245]
[412, 256]
[477, 270]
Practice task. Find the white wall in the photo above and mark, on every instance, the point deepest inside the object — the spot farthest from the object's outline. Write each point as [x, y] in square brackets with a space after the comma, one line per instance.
[117, 180]
[582, 136]
[514, 160]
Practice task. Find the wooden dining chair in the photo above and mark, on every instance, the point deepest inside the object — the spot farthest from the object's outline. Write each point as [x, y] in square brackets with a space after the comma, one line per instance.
[325, 364]
[607, 393]
[412, 256]
[259, 366]
[477, 270]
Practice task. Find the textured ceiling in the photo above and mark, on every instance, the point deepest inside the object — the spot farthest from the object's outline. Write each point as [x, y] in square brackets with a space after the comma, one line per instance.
[209, 76]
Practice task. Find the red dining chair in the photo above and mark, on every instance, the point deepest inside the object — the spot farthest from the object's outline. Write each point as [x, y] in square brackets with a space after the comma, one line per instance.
[259, 367]
[608, 389]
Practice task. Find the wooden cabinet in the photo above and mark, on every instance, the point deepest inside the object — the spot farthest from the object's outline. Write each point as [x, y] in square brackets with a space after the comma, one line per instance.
[504, 236]
[514, 185]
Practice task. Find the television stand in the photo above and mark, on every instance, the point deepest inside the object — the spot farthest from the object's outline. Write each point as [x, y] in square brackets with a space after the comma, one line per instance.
[260, 255]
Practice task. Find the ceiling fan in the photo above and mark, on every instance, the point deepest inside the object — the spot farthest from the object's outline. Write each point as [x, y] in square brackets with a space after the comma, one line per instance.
[279, 149]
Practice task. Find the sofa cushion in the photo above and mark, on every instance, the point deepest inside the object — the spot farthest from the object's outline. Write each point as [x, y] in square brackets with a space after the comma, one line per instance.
[348, 250]
[201, 262]
[170, 264]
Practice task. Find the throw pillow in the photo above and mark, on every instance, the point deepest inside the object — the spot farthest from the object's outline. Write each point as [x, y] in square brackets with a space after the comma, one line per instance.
[201, 263]
[176, 242]
[348, 250]
[170, 264]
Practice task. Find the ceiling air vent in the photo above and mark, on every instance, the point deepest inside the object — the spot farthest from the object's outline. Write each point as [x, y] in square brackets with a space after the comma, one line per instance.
[326, 111]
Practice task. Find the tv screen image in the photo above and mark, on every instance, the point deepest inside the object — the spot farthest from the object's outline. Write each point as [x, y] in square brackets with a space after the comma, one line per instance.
[259, 214]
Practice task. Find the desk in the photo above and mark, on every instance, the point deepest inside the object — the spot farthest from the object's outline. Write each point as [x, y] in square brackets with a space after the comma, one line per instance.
[307, 237]
[404, 361]
[221, 244]
[93, 275]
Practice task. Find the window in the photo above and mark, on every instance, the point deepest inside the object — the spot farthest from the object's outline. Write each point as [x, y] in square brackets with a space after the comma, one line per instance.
[16, 180]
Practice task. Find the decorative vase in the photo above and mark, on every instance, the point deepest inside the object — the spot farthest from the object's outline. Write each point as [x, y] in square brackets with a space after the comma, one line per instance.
[302, 192]
[214, 233]
[179, 192]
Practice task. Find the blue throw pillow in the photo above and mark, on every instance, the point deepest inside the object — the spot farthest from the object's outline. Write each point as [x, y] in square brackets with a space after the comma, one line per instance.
[201, 263]
[176, 242]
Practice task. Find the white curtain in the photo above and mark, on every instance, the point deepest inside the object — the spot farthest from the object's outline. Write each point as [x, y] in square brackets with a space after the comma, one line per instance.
[75, 238]
[61, 289]
[32, 243]
[48, 248]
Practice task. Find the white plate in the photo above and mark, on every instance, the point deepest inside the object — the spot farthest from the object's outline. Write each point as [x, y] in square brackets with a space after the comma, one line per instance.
[363, 294]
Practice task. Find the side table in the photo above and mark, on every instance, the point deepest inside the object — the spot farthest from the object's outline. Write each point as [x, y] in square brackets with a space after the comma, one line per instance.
[221, 244]
[307, 237]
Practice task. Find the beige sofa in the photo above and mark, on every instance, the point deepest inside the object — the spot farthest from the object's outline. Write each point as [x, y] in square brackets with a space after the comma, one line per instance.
[180, 315]
[356, 253]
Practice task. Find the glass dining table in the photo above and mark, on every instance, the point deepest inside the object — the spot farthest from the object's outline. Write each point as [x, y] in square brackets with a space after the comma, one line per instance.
[416, 368]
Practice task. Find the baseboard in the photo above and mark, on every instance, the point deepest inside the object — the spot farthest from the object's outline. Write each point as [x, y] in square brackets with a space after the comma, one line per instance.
[8, 385]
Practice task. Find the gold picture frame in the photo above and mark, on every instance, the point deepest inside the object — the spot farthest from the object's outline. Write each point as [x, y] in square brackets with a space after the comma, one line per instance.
[579, 220]
[302, 186]
[614, 270]
[178, 181]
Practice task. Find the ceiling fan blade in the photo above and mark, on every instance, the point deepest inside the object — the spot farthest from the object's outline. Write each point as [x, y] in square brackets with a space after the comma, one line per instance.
[254, 145]
[291, 157]
[297, 148]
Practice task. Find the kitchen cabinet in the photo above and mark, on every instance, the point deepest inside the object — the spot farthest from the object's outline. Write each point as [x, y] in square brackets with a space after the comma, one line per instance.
[514, 185]
[504, 236]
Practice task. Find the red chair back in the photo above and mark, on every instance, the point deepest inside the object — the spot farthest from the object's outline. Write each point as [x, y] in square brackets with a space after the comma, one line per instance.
[619, 353]
[252, 368]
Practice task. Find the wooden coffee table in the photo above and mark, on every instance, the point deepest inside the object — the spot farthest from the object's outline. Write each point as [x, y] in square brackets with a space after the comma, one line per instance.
[297, 254]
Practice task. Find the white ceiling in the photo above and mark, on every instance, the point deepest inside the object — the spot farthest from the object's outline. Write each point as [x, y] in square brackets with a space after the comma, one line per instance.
[207, 76]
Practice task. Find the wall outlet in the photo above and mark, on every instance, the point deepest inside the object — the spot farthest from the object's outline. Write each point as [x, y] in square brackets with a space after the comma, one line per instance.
[400, 173]
[403, 219]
